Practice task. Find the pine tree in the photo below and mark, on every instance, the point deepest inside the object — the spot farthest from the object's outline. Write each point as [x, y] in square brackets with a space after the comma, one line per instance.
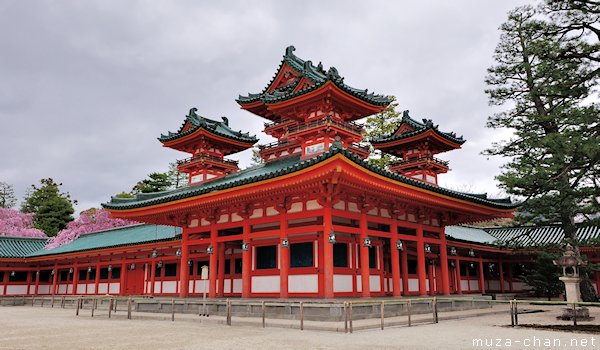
[156, 182]
[381, 124]
[53, 210]
[7, 195]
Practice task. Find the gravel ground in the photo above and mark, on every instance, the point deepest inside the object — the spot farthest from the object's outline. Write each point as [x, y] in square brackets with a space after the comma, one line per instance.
[44, 328]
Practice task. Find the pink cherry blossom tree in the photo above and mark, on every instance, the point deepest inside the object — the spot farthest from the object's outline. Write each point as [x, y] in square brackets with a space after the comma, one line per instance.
[17, 224]
[89, 221]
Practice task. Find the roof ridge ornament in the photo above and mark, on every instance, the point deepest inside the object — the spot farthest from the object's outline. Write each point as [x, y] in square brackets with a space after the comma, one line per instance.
[193, 111]
[289, 51]
[225, 120]
[337, 144]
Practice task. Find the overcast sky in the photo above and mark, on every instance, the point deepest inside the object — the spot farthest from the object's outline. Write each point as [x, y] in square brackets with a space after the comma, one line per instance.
[87, 86]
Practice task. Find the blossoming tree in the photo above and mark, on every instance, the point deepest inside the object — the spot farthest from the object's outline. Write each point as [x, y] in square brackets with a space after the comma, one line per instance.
[90, 220]
[17, 224]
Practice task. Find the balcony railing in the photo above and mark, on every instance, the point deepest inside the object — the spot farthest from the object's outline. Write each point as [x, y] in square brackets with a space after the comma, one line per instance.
[419, 160]
[208, 157]
[277, 144]
[349, 126]
[360, 148]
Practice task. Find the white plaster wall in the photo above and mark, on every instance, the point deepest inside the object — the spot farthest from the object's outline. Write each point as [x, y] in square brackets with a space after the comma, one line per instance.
[237, 285]
[115, 288]
[265, 284]
[375, 283]
[494, 285]
[91, 288]
[359, 283]
[304, 283]
[70, 289]
[169, 287]
[342, 283]
[102, 288]
[312, 205]
[413, 285]
[62, 289]
[474, 284]
[44, 289]
[16, 290]
[200, 285]
[156, 288]
[81, 288]
[227, 286]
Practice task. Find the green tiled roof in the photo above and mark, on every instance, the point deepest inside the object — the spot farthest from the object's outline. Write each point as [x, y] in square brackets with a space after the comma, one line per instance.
[540, 235]
[19, 247]
[469, 234]
[117, 237]
[215, 127]
[419, 128]
[282, 167]
[316, 75]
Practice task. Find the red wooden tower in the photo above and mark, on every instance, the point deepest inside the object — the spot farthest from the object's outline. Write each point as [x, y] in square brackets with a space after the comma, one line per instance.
[309, 107]
[208, 141]
[416, 144]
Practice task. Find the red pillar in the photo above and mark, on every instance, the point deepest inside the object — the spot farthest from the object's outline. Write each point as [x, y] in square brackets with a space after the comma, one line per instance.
[122, 281]
[75, 279]
[5, 281]
[184, 269]
[152, 276]
[457, 272]
[421, 261]
[430, 268]
[481, 279]
[246, 262]
[37, 283]
[54, 278]
[284, 261]
[97, 281]
[510, 278]
[327, 252]
[364, 257]
[404, 256]
[501, 271]
[221, 270]
[212, 264]
[444, 264]
[395, 259]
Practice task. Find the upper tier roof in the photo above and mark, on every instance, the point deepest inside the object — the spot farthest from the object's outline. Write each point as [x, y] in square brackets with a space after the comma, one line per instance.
[307, 78]
[283, 167]
[409, 128]
[194, 122]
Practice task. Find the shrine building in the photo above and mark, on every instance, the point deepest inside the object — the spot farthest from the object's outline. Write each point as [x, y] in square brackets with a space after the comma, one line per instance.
[314, 219]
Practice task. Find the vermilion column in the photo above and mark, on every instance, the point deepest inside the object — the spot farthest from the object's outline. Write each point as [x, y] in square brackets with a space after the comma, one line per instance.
[75, 279]
[481, 280]
[212, 264]
[421, 261]
[152, 276]
[327, 253]
[122, 281]
[221, 270]
[444, 264]
[458, 280]
[364, 257]
[501, 271]
[5, 281]
[510, 278]
[246, 261]
[97, 281]
[284, 261]
[54, 278]
[37, 283]
[404, 256]
[184, 269]
[430, 268]
[395, 259]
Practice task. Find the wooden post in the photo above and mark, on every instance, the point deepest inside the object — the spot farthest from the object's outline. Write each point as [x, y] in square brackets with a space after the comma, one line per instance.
[382, 307]
[516, 313]
[435, 310]
[301, 316]
[115, 303]
[228, 312]
[78, 306]
[409, 312]
[62, 302]
[43, 299]
[512, 314]
[110, 306]
[574, 316]
[129, 308]
[32, 301]
[350, 316]
[172, 309]
[263, 314]
[94, 303]
[52, 302]
[345, 317]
